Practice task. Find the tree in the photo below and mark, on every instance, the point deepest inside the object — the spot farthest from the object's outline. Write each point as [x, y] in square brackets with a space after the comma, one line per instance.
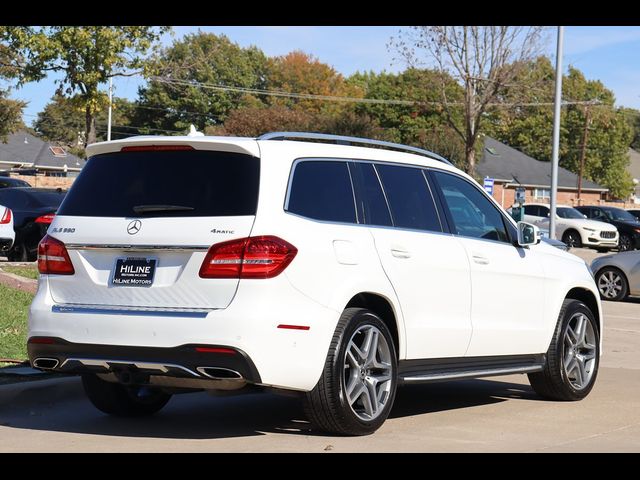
[87, 56]
[483, 60]
[633, 118]
[172, 102]
[10, 110]
[254, 121]
[62, 121]
[528, 127]
[301, 73]
[422, 123]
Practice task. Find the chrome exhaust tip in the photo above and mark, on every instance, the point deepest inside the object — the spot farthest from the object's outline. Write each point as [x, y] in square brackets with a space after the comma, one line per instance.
[45, 363]
[219, 373]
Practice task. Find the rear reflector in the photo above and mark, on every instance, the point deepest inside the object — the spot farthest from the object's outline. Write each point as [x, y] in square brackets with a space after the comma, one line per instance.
[294, 327]
[6, 217]
[53, 257]
[46, 219]
[227, 351]
[42, 340]
[253, 257]
[156, 148]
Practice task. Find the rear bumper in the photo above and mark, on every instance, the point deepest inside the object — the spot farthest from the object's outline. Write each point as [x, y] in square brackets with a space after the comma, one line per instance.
[203, 362]
[267, 354]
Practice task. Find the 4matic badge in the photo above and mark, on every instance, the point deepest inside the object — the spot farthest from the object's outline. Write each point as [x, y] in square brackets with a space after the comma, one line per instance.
[229, 232]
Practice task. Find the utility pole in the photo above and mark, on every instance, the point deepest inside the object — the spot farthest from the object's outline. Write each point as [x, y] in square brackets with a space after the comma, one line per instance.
[556, 135]
[583, 152]
[110, 98]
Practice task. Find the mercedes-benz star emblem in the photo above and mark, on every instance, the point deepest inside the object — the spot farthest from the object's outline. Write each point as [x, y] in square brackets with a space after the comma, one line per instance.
[134, 227]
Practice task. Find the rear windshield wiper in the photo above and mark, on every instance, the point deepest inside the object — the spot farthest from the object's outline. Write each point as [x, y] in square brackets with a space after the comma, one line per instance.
[161, 208]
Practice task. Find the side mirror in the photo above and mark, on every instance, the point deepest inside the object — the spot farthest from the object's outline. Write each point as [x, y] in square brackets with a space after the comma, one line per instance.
[528, 234]
[584, 216]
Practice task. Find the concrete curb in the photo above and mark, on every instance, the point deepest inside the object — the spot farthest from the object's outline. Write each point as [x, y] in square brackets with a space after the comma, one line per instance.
[18, 282]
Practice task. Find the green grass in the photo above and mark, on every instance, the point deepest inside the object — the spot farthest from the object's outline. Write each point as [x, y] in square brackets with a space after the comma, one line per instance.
[28, 272]
[14, 308]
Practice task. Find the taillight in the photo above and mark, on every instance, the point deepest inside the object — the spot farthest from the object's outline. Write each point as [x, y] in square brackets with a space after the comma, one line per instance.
[46, 219]
[6, 217]
[253, 257]
[53, 257]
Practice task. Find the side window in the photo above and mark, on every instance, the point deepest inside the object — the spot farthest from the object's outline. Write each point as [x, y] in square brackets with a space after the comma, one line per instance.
[596, 213]
[370, 195]
[532, 210]
[472, 213]
[322, 190]
[544, 212]
[409, 198]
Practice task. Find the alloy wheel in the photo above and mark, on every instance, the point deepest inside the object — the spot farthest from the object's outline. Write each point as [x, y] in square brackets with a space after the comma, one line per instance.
[367, 372]
[579, 355]
[610, 284]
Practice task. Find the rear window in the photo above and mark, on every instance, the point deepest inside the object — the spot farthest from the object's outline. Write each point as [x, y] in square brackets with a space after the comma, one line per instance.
[200, 183]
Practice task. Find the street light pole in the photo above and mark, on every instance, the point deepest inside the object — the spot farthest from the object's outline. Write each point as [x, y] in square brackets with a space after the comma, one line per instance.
[110, 97]
[556, 135]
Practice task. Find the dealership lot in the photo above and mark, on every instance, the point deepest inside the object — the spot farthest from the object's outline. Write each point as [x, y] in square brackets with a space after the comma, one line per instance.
[499, 414]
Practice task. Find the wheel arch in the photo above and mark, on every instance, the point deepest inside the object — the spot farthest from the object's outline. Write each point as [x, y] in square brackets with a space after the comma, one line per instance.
[384, 308]
[590, 300]
[575, 230]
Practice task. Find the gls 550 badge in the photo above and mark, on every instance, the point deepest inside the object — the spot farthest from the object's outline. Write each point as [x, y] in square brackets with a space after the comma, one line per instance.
[63, 230]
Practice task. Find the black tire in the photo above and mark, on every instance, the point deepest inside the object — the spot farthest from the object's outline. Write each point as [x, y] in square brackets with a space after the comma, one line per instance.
[18, 253]
[624, 284]
[326, 405]
[572, 239]
[123, 401]
[625, 243]
[603, 250]
[553, 383]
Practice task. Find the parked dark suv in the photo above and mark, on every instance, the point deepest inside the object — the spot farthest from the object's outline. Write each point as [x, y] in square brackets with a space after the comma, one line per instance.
[33, 210]
[628, 226]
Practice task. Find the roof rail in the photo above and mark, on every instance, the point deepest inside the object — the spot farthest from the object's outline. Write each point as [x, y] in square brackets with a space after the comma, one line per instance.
[344, 140]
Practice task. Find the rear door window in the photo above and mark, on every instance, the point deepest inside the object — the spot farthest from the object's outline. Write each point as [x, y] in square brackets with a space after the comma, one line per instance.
[409, 198]
[190, 183]
[322, 190]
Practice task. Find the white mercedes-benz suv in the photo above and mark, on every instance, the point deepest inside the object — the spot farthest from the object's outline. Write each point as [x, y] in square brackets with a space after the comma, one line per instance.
[335, 267]
[573, 228]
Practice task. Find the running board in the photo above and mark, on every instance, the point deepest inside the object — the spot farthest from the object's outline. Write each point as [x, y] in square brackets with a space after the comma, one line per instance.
[442, 369]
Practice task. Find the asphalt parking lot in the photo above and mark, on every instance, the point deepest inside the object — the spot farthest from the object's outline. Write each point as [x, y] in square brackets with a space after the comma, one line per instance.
[489, 415]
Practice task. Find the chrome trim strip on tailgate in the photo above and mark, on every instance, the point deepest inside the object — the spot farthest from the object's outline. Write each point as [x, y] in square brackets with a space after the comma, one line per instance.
[155, 248]
[139, 311]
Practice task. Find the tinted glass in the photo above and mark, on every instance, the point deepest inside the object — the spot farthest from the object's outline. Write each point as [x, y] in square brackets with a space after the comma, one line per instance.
[409, 198]
[544, 211]
[322, 190]
[204, 183]
[472, 213]
[619, 215]
[566, 212]
[532, 210]
[371, 196]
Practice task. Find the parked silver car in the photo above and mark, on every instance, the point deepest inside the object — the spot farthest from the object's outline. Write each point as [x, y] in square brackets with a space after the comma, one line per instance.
[617, 276]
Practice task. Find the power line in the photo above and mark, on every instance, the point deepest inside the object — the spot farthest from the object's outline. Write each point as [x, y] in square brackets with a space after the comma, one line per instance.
[334, 98]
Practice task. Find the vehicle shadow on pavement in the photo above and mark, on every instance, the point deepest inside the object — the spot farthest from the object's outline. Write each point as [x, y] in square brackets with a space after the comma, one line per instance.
[202, 416]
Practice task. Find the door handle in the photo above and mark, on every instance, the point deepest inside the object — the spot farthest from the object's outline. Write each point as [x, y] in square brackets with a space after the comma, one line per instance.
[479, 259]
[400, 253]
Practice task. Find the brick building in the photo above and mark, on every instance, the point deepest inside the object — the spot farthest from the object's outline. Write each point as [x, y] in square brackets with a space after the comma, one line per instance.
[511, 169]
[40, 163]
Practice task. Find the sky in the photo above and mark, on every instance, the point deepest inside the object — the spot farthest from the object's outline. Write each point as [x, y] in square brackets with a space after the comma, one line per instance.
[610, 54]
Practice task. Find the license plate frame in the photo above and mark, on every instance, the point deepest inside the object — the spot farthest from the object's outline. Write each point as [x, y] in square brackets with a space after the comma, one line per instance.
[134, 272]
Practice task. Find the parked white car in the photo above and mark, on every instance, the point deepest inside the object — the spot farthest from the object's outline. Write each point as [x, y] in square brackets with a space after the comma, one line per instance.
[303, 262]
[7, 233]
[573, 228]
